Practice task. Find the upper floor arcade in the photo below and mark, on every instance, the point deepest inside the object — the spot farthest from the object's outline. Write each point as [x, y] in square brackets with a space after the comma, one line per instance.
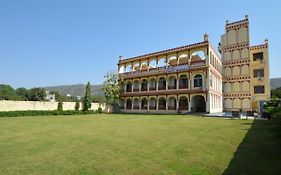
[190, 57]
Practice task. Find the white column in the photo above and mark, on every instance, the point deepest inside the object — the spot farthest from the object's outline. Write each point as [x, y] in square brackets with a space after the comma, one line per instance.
[178, 82]
[167, 83]
[148, 85]
[125, 105]
[177, 108]
[208, 102]
[189, 106]
[157, 104]
[167, 104]
[140, 85]
[207, 82]
[140, 104]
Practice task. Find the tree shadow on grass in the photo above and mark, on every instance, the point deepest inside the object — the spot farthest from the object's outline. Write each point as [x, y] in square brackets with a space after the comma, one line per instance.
[259, 152]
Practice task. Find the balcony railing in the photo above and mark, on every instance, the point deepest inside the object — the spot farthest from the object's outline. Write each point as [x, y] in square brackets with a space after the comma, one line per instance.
[183, 86]
[162, 88]
[136, 107]
[129, 90]
[129, 107]
[136, 90]
[172, 87]
[143, 89]
[152, 107]
[152, 88]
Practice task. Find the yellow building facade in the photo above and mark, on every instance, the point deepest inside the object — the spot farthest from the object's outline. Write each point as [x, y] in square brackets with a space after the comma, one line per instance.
[246, 85]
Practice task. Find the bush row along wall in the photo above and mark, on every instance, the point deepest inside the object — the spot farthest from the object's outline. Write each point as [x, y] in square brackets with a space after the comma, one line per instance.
[7, 105]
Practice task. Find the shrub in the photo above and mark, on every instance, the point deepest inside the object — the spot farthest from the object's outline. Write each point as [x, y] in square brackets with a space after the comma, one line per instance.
[60, 108]
[99, 110]
[43, 113]
[77, 106]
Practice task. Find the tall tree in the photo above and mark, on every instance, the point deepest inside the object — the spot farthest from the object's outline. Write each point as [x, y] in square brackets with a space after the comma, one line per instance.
[22, 93]
[7, 93]
[87, 99]
[37, 94]
[111, 88]
[60, 105]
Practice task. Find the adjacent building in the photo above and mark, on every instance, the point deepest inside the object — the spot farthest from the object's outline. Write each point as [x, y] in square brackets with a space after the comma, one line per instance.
[246, 85]
[177, 80]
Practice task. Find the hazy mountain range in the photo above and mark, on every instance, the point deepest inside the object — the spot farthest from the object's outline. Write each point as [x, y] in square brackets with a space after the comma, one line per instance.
[76, 89]
[79, 89]
[275, 83]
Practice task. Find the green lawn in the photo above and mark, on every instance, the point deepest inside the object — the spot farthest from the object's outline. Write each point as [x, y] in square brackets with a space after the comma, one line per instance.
[137, 144]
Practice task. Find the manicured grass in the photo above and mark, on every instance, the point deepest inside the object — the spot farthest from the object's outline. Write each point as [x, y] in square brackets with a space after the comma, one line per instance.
[131, 144]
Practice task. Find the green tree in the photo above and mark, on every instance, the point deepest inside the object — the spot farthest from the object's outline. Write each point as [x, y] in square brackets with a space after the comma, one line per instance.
[37, 94]
[60, 105]
[22, 93]
[77, 105]
[111, 88]
[276, 92]
[87, 99]
[7, 93]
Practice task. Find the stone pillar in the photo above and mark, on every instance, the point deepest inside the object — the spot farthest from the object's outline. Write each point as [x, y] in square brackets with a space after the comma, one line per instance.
[157, 103]
[125, 105]
[148, 103]
[140, 104]
[189, 106]
[167, 83]
[157, 84]
[178, 82]
[207, 82]
[140, 85]
[177, 108]
[148, 84]
[167, 103]
[208, 102]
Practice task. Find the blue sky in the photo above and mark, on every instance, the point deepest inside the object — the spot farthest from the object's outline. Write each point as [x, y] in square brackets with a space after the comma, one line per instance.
[56, 42]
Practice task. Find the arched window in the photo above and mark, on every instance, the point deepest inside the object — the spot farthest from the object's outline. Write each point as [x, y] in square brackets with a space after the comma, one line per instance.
[197, 81]
[183, 82]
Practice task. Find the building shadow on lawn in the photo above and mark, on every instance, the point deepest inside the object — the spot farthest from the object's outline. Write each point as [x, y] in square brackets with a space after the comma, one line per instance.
[259, 152]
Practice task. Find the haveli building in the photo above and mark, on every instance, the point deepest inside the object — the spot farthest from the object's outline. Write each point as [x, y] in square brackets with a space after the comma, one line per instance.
[193, 78]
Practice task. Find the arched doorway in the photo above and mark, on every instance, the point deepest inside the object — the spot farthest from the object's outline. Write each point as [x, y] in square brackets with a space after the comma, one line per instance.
[172, 103]
[183, 82]
[162, 84]
[183, 103]
[198, 104]
[129, 104]
[152, 103]
[136, 103]
[162, 103]
[144, 104]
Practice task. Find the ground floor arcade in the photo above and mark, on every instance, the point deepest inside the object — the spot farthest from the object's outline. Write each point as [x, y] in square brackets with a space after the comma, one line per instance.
[181, 103]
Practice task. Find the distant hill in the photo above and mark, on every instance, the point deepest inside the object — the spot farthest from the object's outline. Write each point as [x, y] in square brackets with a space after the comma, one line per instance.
[275, 83]
[76, 90]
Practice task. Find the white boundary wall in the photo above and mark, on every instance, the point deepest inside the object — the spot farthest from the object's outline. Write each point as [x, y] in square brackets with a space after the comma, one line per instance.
[7, 105]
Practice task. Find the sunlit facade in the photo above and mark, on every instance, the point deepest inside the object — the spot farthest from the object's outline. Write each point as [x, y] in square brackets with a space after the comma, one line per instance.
[178, 80]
